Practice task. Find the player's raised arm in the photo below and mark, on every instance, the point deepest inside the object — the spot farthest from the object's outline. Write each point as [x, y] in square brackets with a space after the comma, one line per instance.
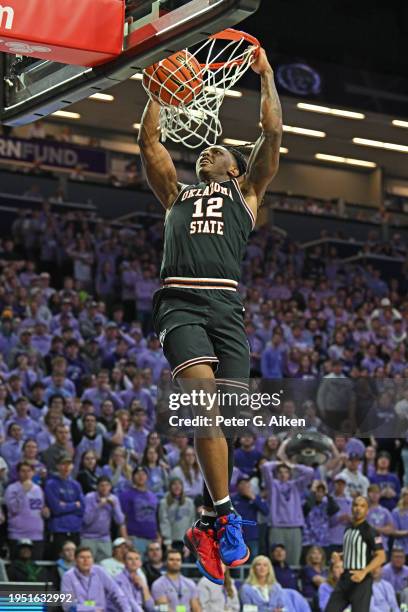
[160, 171]
[264, 159]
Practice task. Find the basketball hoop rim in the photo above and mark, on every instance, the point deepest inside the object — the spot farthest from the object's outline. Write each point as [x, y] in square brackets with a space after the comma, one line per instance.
[237, 35]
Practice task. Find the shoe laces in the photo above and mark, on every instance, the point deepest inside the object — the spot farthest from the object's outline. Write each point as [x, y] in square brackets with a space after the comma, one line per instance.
[232, 528]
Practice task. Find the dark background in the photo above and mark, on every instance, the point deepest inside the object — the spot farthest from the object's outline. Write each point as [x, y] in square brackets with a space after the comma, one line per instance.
[359, 49]
[363, 34]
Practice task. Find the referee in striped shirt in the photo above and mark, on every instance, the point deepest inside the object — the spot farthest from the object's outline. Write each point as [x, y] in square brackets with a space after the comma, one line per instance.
[363, 552]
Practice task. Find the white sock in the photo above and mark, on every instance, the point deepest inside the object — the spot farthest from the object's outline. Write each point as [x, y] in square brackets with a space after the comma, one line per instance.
[222, 501]
[208, 513]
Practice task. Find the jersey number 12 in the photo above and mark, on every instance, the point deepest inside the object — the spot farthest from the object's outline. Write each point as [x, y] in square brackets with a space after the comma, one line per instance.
[212, 209]
[210, 219]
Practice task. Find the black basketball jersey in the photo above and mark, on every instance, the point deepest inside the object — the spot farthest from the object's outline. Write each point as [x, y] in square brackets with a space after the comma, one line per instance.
[205, 236]
[359, 544]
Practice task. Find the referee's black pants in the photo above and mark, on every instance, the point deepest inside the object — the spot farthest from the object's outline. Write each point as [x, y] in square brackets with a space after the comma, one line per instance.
[347, 592]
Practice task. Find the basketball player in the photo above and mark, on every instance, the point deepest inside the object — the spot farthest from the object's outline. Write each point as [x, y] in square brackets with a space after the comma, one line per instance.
[198, 313]
[363, 552]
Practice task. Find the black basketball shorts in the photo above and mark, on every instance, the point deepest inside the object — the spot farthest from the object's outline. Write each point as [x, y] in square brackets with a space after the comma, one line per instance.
[203, 326]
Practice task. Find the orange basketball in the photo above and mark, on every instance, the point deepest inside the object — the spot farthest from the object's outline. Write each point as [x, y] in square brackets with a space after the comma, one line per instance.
[174, 80]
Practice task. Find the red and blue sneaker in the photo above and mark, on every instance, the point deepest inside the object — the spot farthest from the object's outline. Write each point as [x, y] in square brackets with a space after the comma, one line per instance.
[232, 548]
[204, 546]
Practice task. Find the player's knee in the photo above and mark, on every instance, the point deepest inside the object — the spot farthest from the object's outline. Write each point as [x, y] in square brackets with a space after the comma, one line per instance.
[202, 373]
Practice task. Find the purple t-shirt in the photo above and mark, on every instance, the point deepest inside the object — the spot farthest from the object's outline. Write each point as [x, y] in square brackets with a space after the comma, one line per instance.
[400, 518]
[145, 399]
[379, 517]
[192, 486]
[97, 397]
[285, 498]
[97, 519]
[133, 594]
[92, 592]
[24, 512]
[139, 437]
[178, 592]
[140, 510]
[387, 480]
[30, 427]
[383, 597]
[316, 529]
[155, 360]
[246, 460]
[337, 527]
[399, 580]
[11, 451]
[95, 444]
[309, 589]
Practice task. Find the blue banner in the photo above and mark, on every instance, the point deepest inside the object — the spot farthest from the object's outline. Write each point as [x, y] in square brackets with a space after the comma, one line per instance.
[53, 154]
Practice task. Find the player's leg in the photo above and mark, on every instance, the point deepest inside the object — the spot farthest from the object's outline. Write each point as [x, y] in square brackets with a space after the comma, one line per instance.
[208, 516]
[191, 355]
[212, 453]
[231, 449]
[226, 332]
[186, 344]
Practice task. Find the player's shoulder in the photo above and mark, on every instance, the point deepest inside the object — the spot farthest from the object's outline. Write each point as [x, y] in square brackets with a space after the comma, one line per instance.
[249, 196]
[182, 186]
[244, 185]
[185, 187]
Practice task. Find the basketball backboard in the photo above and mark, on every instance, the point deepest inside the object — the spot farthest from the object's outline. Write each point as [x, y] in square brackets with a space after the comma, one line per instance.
[154, 29]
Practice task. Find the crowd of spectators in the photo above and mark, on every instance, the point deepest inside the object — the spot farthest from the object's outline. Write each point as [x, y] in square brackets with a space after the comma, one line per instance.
[85, 478]
[338, 208]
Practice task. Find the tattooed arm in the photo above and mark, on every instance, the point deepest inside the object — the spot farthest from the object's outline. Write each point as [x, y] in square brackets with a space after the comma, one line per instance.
[160, 171]
[264, 159]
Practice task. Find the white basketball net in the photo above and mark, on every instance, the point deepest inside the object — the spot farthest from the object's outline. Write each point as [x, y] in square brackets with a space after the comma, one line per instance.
[197, 122]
